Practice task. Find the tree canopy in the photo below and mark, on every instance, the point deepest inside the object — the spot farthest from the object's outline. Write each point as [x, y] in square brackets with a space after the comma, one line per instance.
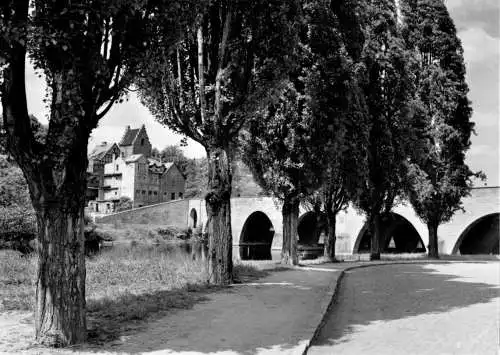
[89, 53]
[439, 176]
[223, 70]
[392, 108]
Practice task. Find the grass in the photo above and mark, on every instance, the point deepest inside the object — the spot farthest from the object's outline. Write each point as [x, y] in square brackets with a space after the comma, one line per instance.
[17, 282]
[124, 287]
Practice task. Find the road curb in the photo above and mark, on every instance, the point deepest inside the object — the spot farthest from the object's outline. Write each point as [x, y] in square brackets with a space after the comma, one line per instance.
[333, 298]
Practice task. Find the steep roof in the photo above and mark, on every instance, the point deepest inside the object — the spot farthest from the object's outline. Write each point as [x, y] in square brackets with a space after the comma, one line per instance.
[100, 151]
[129, 136]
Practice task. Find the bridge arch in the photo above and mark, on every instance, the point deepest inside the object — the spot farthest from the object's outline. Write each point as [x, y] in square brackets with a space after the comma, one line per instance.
[256, 237]
[309, 228]
[400, 236]
[480, 237]
[193, 218]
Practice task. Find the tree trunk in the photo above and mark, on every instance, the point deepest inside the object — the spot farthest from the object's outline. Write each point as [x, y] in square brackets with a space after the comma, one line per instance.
[60, 293]
[375, 244]
[329, 251]
[290, 214]
[218, 201]
[433, 240]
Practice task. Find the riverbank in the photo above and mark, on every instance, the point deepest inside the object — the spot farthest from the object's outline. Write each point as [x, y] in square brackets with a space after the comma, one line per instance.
[124, 286]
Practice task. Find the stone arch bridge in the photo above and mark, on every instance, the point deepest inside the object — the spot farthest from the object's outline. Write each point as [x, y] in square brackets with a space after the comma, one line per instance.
[258, 220]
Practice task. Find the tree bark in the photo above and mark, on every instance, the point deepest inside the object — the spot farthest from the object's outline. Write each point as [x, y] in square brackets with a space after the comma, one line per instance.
[290, 214]
[218, 202]
[375, 244]
[60, 293]
[329, 250]
[433, 240]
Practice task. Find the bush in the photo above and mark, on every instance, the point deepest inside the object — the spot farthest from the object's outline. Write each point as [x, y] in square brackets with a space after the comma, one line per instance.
[17, 228]
[124, 204]
[171, 232]
[94, 238]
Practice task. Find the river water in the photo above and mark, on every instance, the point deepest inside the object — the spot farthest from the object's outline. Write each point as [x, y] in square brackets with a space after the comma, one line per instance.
[200, 251]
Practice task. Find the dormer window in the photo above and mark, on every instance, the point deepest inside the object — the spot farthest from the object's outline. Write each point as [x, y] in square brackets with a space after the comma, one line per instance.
[142, 141]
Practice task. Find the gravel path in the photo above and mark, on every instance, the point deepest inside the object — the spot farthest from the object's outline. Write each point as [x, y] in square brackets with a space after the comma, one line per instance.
[415, 309]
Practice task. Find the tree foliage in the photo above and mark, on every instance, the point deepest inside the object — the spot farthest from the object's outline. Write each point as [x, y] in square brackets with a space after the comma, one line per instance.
[439, 176]
[174, 154]
[88, 52]
[224, 69]
[393, 111]
[294, 146]
[17, 217]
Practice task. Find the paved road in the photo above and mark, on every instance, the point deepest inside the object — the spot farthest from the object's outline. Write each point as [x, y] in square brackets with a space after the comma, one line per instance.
[415, 309]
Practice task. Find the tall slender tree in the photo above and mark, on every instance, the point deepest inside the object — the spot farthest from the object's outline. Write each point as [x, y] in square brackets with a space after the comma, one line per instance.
[290, 144]
[276, 148]
[224, 69]
[341, 137]
[439, 178]
[393, 112]
[88, 52]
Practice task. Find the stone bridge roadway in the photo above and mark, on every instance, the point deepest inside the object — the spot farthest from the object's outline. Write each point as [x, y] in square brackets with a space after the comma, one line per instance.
[258, 219]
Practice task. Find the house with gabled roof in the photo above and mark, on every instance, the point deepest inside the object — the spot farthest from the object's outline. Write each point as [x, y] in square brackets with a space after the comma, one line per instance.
[134, 174]
[135, 141]
[102, 154]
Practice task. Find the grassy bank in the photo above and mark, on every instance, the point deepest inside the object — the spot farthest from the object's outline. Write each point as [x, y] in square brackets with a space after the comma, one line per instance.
[124, 287]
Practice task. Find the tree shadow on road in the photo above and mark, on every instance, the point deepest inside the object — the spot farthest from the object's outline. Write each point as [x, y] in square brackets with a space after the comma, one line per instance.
[385, 293]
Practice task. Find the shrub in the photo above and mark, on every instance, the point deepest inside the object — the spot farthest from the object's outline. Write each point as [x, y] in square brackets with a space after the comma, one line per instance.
[94, 238]
[124, 204]
[17, 228]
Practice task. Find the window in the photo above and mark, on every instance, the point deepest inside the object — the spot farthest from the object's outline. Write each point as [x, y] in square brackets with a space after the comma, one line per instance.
[143, 192]
[172, 196]
[142, 141]
[180, 194]
[156, 193]
[137, 192]
[116, 193]
[117, 167]
[149, 192]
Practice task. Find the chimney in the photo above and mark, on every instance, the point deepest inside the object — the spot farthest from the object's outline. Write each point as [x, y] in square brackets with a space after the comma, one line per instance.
[127, 128]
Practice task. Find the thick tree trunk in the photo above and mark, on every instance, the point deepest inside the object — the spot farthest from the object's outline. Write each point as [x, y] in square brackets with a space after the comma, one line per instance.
[218, 201]
[60, 293]
[290, 214]
[375, 244]
[329, 251]
[433, 240]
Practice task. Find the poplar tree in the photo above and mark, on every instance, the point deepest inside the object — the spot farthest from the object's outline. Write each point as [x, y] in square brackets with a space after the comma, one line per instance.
[439, 177]
[393, 113]
[225, 68]
[88, 52]
[294, 146]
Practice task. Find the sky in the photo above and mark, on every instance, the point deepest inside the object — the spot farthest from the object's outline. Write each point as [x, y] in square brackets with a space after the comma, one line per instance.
[478, 27]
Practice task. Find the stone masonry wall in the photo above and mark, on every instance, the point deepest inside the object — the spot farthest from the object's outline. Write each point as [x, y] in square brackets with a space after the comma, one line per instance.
[173, 213]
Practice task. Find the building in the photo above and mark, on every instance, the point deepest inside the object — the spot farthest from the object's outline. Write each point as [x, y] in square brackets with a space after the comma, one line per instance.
[133, 173]
[102, 154]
